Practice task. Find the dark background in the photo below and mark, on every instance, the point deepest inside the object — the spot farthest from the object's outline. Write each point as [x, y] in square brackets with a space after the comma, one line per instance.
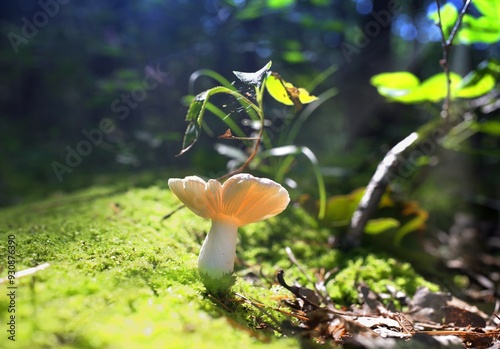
[83, 58]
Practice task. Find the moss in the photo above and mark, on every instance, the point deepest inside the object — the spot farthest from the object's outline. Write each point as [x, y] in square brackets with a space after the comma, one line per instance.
[121, 277]
[377, 272]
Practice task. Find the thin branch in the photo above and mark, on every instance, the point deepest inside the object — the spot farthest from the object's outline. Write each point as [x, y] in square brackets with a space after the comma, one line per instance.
[444, 63]
[250, 158]
[377, 186]
[26, 272]
[447, 43]
[454, 31]
[260, 111]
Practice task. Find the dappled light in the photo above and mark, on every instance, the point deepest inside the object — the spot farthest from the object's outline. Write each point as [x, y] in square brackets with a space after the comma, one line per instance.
[250, 174]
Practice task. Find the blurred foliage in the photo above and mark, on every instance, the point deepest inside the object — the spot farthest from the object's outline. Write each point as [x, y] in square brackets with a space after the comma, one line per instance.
[482, 28]
[406, 88]
[252, 103]
[97, 60]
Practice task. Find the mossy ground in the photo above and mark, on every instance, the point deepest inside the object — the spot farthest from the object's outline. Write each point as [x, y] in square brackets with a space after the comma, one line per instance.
[120, 277]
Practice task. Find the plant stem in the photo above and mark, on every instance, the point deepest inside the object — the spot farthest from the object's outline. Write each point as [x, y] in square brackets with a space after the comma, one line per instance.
[447, 43]
[259, 109]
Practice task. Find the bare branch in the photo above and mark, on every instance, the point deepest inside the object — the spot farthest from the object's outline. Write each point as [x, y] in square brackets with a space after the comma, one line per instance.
[454, 31]
[447, 43]
[386, 169]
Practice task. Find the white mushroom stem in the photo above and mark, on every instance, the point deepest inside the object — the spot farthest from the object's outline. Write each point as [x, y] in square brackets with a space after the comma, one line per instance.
[219, 249]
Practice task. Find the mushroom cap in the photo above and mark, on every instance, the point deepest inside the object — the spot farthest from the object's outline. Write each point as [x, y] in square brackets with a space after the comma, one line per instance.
[243, 198]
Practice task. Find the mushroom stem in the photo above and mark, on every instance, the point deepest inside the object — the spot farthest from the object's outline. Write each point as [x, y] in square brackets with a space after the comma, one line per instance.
[218, 250]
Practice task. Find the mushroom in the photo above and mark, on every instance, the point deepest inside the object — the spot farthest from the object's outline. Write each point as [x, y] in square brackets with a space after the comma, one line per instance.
[241, 200]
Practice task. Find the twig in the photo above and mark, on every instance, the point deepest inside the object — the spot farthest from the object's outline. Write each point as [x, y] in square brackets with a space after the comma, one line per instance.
[376, 188]
[293, 289]
[250, 158]
[291, 256]
[258, 141]
[26, 272]
[172, 212]
[447, 43]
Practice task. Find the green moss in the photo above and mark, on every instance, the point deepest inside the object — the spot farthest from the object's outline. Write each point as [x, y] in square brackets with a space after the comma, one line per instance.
[377, 272]
[121, 277]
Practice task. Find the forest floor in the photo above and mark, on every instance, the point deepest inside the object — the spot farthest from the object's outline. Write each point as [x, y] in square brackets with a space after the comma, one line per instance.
[110, 272]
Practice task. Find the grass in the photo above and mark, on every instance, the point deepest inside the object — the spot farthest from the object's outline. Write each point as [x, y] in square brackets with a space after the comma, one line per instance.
[120, 277]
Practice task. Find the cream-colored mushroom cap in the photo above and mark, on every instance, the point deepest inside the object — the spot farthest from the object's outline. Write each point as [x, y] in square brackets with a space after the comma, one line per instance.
[242, 199]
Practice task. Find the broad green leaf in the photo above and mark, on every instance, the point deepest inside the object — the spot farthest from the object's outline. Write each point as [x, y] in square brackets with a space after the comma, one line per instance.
[480, 30]
[396, 84]
[434, 88]
[379, 225]
[404, 87]
[488, 7]
[254, 79]
[284, 92]
[339, 210]
[473, 89]
[396, 80]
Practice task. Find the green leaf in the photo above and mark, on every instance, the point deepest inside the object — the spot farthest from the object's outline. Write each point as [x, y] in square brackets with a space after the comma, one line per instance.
[480, 30]
[475, 88]
[254, 79]
[413, 224]
[340, 208]
[190, 137]
[284, 92]
[488, 7]
[379, 225]
[394, 85]
[403, 87]
[197, 109]
[434, 88]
